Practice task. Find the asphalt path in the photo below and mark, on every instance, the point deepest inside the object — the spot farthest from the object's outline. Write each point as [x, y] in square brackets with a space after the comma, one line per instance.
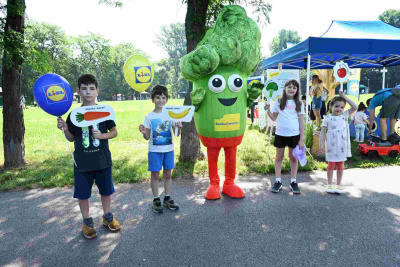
[359, 228]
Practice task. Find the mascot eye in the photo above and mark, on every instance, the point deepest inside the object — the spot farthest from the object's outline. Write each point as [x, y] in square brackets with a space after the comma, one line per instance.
[235, 83]
[217, 83]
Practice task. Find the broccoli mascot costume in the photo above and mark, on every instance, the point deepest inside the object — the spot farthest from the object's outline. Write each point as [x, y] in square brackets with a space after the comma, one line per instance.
[219, 67]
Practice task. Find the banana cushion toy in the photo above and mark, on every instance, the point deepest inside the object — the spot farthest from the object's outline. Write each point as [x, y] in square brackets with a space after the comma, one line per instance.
[219, 67]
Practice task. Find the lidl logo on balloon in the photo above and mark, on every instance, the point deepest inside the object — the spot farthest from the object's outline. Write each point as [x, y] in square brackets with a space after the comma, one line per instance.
[55, 93]
[143, 74]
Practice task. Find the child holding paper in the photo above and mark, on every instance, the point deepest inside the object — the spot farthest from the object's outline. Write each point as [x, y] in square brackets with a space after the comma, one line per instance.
[289, 111]
[161, 148]
[93, 162]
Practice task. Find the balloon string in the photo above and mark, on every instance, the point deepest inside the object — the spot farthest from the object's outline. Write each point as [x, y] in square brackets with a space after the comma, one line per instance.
[70, 151]
[141, 108]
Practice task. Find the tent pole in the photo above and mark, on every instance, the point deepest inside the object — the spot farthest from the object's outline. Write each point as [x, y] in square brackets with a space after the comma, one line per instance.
[308, 86]
[383, 77]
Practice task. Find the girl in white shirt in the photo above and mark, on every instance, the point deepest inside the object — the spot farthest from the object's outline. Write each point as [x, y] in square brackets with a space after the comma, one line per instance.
[289, 113]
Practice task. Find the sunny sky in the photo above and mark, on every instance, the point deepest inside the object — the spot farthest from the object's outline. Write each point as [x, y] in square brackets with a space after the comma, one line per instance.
[138, 22]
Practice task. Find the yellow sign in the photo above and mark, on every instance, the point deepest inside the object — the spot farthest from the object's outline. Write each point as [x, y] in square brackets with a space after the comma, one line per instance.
[397, 127]
[55, 93]
[138, 72]
[274, 74]
[230, 122]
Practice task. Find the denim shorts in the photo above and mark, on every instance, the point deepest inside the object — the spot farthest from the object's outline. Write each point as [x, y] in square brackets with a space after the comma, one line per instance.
[316, 102]
[158, 160]
[84, 182]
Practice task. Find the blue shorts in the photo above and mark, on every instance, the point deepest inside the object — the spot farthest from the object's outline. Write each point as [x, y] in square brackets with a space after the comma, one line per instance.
[84, 183]
[161, 160]
[316, 102]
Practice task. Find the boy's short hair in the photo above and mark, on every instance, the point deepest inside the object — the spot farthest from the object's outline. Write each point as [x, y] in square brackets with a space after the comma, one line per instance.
[303, 97]
[87, 79]
[159, 90]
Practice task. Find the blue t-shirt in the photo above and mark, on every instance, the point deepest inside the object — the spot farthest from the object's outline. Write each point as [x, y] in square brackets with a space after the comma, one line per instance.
[379, 97]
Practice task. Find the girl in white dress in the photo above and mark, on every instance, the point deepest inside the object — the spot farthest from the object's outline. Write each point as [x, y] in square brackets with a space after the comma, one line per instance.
[335, 129]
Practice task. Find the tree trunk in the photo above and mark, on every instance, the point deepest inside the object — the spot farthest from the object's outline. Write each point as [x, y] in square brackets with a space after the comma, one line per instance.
[195, 22]
[13, 117]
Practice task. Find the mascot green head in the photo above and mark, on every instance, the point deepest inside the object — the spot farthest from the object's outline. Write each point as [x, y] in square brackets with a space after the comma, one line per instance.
[219, 68]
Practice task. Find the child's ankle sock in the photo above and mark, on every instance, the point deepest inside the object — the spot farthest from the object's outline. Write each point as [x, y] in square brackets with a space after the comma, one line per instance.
[293, 180]
[109, 217]
[156, 198]
[88, 221]
[167, 197]
[278, 180]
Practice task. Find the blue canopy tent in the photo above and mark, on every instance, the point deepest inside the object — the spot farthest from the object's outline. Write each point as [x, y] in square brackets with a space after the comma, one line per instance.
[361, 44]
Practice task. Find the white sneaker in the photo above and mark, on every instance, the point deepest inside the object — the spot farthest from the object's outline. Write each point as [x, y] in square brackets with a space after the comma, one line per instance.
[355, 140]
[338, 189]
[330, 189]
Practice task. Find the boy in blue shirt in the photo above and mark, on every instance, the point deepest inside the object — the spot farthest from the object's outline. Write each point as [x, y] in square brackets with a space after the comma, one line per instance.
[161, 148]
[93, 161]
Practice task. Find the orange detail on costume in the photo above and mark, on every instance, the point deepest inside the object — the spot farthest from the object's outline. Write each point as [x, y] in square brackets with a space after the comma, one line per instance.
[214, 145]
[221, 142]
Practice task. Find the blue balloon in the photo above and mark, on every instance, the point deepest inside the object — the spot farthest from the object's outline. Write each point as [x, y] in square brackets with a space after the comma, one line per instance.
[53, 94]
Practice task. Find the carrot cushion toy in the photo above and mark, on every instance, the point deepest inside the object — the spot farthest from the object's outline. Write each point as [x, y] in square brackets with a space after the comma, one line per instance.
[219, 68]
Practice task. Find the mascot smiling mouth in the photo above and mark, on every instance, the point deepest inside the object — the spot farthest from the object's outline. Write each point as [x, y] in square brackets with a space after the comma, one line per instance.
[227, 101]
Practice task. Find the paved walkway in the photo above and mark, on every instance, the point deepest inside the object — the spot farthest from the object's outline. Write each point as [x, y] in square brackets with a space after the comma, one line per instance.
[360, 228]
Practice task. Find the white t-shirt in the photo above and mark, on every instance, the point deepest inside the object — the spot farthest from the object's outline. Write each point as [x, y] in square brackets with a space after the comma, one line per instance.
[160, 133]
[360, 117]
[288, 119]
[324, 95]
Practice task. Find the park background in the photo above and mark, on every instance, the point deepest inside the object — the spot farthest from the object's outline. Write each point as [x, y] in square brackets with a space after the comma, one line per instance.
[48, 48]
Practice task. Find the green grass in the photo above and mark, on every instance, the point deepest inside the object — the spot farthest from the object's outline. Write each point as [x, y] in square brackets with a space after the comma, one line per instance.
[49, 163]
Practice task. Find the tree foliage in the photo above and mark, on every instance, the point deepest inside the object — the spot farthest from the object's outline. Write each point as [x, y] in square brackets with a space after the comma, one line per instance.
[173, 40]
[51, 50]
[391, 16]
[281, 41]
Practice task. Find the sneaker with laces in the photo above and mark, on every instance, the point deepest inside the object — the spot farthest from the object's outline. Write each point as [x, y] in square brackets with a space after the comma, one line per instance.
[295, 188]
[170, 204]
[110, 222]
[88, 230]
[338, 189]
[276, 187]
[330, 189]
[157, 207]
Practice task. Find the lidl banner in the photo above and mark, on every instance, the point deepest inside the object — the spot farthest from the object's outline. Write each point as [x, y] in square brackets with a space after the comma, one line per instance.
[276, 80]
[353, 84]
